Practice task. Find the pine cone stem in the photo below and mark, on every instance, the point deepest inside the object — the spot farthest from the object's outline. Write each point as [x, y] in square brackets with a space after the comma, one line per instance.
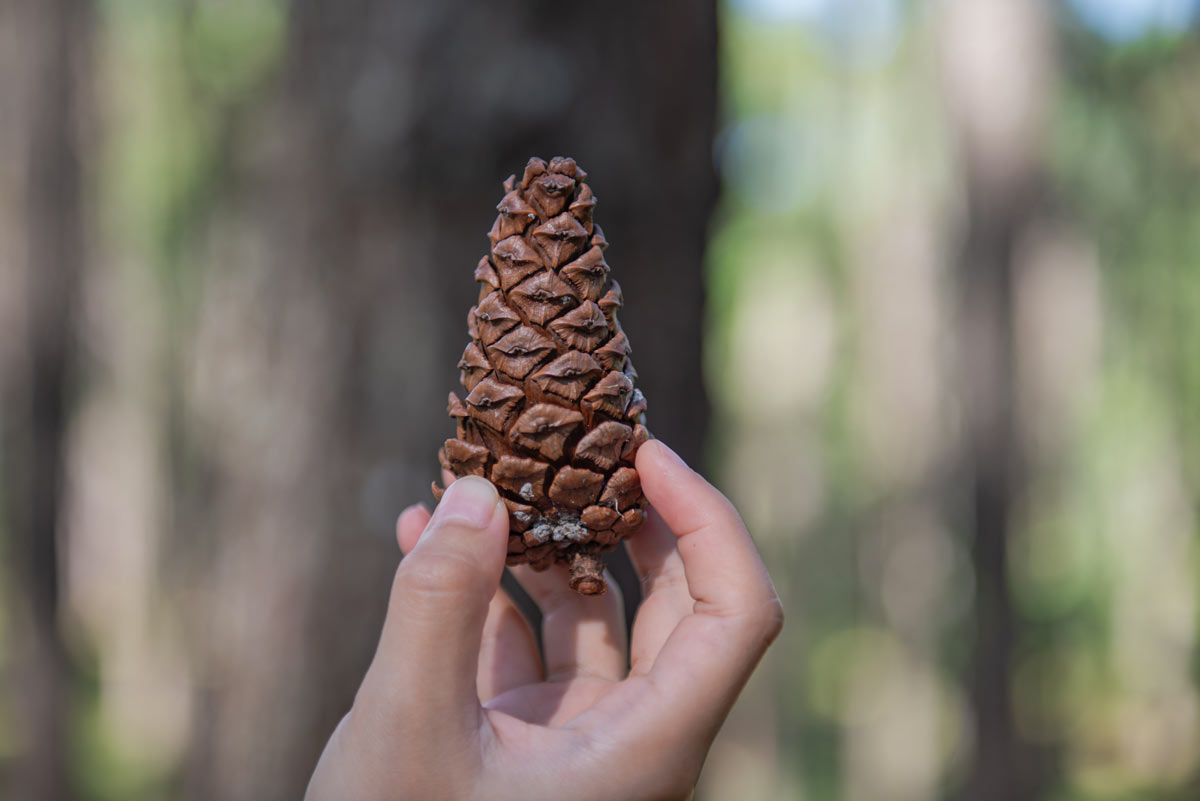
[587, 573]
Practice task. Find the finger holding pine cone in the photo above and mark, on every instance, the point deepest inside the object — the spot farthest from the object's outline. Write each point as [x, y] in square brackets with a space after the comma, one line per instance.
[551, 415]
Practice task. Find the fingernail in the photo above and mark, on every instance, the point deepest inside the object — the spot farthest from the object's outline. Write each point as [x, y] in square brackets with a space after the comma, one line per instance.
[470, 500]
[670, 453]
[411, 508]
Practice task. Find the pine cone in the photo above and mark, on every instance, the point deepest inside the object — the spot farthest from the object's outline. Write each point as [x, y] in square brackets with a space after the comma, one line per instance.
[551, 417]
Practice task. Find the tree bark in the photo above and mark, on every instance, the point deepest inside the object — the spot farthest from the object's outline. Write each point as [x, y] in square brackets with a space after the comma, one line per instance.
[992, 461]
[335, 309]
[48, 96]
[998, 64]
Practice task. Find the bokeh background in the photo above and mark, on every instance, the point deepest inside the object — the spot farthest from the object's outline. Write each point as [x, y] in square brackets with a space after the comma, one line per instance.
[916, 281]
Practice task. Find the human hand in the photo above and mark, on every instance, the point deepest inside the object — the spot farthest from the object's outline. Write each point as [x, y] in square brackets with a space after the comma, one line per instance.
[457, 703]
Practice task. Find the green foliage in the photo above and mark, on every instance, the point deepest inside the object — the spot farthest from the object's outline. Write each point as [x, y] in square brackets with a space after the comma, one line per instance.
[830, 167]
[832, 314]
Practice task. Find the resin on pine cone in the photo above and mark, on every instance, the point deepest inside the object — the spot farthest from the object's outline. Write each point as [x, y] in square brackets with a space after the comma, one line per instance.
[551, 415]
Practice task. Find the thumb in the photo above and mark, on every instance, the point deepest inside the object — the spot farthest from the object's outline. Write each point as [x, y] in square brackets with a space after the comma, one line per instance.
[428, 653]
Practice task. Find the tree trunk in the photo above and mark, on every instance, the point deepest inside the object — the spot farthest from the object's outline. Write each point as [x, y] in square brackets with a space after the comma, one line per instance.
[334, 313]
[51, 43]
[998, 65]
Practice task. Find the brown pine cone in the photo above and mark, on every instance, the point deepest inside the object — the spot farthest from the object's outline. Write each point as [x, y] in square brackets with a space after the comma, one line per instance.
[551, 415]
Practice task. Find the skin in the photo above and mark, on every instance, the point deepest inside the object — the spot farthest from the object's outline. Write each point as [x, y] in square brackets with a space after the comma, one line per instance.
[458, 705]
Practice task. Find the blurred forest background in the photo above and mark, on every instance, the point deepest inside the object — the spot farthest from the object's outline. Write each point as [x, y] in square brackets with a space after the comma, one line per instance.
[917, 282]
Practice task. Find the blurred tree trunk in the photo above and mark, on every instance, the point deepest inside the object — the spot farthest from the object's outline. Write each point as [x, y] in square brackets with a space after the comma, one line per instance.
[47, 46]
[999, 63]
[336, 275]
[993, 463]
